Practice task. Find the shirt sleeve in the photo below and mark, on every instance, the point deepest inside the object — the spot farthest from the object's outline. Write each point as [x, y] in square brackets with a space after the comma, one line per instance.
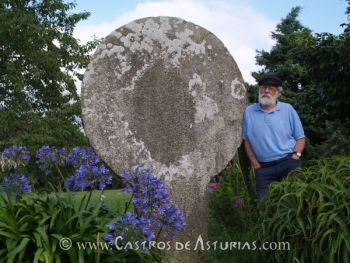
[297, 127]
[245, 134]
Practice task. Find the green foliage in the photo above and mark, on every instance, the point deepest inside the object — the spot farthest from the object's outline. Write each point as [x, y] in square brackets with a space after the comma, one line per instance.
[311, 210]
[39, 64]
[232, 224]
[222, 199]
[31, 228]
[320, 63]
[34, 130]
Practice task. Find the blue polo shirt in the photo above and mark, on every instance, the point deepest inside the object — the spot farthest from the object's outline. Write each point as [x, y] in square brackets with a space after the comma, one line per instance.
[273, 134]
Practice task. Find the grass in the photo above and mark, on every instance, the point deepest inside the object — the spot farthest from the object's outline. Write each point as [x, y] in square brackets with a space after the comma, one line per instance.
[114, 198]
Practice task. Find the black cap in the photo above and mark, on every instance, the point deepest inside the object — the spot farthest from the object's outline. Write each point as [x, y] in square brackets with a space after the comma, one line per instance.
[270, 80]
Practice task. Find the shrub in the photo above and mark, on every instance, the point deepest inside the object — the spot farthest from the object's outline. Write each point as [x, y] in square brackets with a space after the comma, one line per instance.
[311, 210]
[32, 225]
[233, 216]
[229, 200]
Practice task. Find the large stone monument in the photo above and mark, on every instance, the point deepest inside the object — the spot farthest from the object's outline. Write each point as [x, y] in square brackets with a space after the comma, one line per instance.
[166, 93]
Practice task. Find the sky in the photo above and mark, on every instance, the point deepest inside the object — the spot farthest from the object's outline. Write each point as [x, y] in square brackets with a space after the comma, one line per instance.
[244, 26]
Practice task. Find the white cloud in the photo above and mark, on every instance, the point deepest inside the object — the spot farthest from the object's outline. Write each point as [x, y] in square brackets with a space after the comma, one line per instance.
[241, 28]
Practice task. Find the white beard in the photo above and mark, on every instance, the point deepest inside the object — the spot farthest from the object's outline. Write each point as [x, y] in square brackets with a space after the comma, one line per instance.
[264, 101]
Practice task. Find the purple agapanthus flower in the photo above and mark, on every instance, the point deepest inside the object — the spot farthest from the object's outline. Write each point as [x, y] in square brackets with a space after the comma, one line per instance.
[151, 200]
[16, 184]
[48, 156]
[131, 228]
[82, 155]
[17, 153]
[89, 176]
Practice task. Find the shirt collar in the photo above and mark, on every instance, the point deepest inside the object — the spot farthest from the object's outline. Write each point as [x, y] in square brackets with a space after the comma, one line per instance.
[258, 107]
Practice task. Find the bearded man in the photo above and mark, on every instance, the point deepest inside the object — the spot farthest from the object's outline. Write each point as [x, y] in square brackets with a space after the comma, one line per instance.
[273, 135]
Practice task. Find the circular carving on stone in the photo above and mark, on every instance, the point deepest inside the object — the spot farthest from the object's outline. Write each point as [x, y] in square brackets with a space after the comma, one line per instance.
[164, 92]
[161, 113]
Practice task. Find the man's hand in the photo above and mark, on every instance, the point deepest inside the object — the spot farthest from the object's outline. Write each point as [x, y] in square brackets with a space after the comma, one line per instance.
[251, 155]
[299, 147]
[256, 165]
[295, 157]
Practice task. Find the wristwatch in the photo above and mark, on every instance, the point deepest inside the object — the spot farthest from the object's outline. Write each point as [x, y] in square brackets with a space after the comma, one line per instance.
[297, 154]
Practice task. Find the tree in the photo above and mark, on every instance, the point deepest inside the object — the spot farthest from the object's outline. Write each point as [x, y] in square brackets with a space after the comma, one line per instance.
[285, 57]
[39, 64]
[320, 64]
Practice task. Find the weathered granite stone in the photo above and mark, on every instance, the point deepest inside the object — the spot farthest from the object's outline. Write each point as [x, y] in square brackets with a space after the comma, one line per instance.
[166, 93]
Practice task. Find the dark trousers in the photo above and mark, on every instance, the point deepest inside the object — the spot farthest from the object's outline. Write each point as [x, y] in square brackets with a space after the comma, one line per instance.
[273, 172]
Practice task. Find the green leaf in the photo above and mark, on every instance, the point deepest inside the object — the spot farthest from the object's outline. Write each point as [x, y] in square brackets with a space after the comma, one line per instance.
[38, 255]
[17, 250]
[8, 234]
